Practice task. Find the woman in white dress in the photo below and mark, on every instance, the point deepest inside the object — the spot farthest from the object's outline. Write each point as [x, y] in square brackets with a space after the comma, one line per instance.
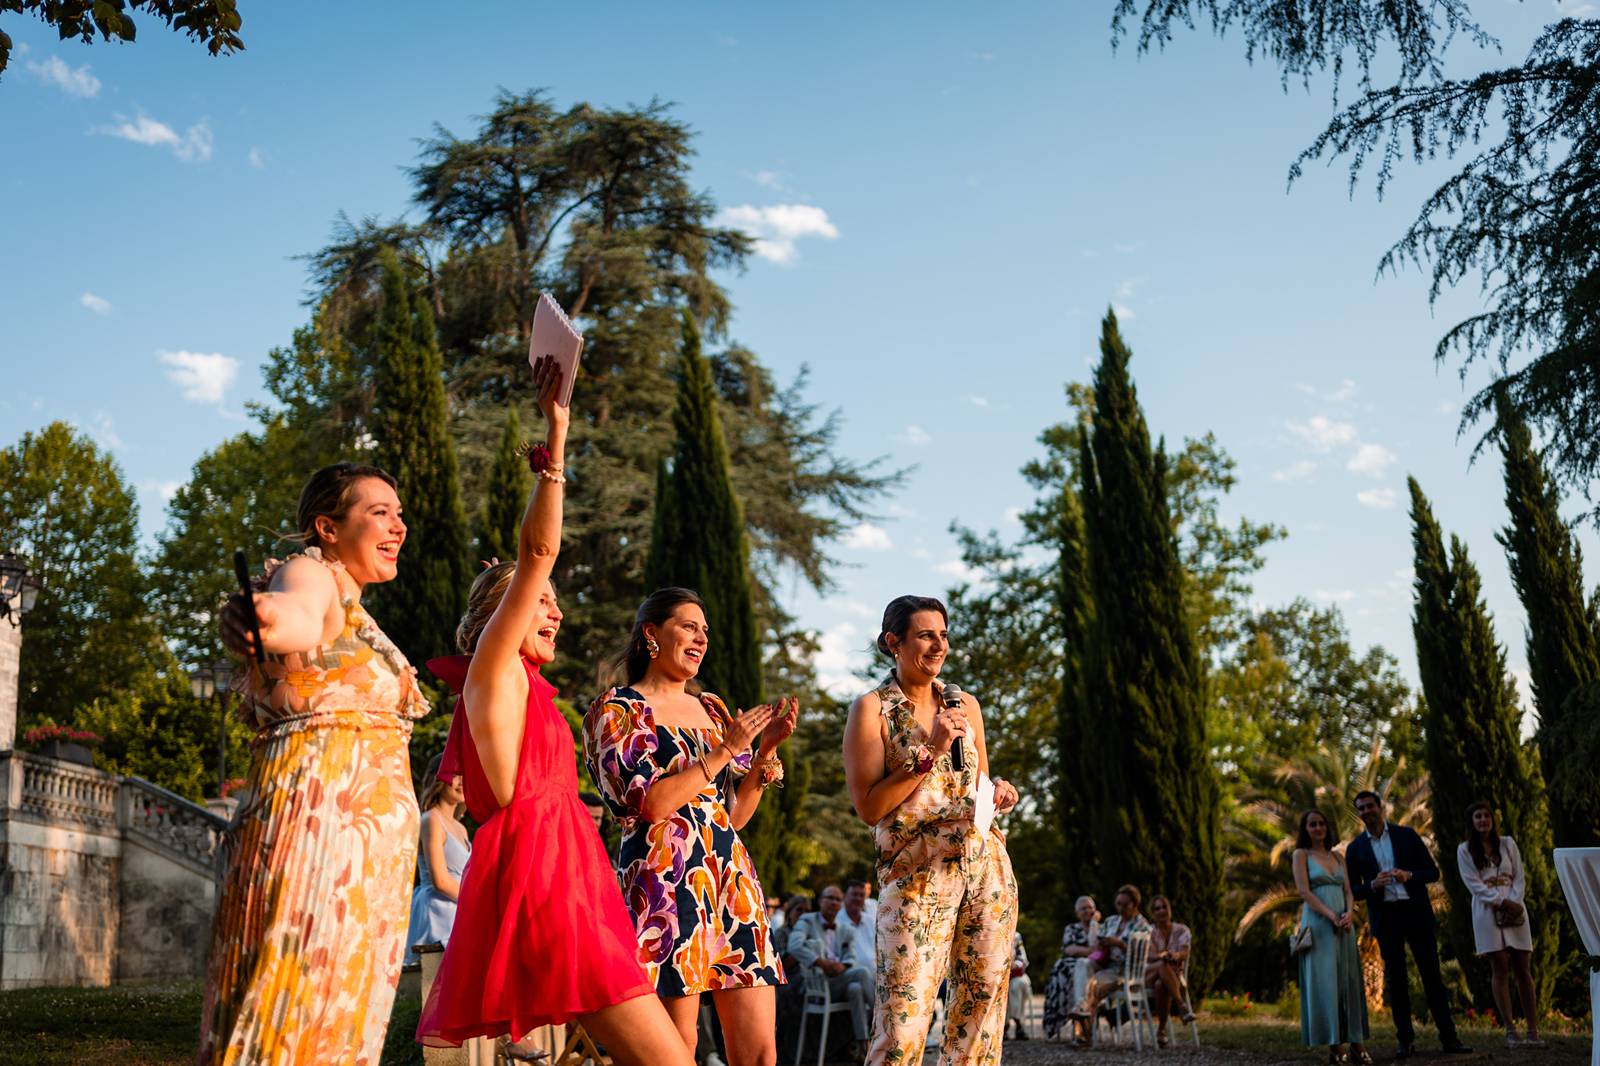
[1491, 868]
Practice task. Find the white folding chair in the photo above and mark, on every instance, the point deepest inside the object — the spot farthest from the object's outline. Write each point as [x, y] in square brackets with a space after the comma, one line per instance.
[819, 1000]
[1183, 986]
[1131, 994]
[1024, 1001]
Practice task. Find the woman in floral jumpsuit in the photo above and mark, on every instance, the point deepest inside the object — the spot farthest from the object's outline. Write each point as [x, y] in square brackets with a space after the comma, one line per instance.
[949, 897]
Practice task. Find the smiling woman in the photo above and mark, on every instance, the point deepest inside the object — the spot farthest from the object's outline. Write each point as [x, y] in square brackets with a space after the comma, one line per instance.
[307, 944]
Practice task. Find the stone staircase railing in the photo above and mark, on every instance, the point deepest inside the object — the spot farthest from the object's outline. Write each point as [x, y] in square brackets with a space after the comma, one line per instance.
[52, 792]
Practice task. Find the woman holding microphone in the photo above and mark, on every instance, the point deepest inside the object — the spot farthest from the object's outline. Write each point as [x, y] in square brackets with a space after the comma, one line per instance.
[949, 896]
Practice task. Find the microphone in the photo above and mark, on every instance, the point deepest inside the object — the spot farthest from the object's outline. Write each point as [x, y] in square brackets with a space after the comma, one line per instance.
[952, 700]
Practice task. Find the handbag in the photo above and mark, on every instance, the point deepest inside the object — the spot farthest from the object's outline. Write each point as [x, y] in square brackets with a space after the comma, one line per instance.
[1300, 940]
[1503, 919]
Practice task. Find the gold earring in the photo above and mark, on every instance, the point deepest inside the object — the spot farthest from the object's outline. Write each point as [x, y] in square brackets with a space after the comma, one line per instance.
[652, 647]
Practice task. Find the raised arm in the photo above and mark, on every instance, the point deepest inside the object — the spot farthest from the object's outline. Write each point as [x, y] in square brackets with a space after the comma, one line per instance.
[300, 609]
[496, 688]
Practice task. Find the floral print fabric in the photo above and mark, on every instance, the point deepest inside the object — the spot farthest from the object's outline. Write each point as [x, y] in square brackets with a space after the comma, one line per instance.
[696, 902]
[949, 905]
[307, 942]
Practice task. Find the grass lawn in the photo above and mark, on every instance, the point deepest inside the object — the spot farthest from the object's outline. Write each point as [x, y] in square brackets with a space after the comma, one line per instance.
[158, 1025]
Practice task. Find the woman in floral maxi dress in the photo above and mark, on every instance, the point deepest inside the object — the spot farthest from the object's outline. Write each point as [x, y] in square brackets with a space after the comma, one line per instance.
[308, 939]
[949, 896]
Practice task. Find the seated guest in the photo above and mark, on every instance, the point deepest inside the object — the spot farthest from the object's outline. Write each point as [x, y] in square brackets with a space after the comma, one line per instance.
[798, 904]
[865, 933]
[1019, 988]
[820, 941]
[1069, 977]
[1112, 948]
[441, 860]
[1163, 972]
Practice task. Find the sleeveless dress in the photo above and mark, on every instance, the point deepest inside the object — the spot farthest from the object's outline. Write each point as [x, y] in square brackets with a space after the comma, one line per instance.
[1333, 1004]
[432, 913]
[307, 942]
[949, 905]
[697, 904]
[541, 934]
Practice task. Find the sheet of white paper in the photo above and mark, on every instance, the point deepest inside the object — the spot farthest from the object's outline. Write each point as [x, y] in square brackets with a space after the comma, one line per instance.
[983, 813]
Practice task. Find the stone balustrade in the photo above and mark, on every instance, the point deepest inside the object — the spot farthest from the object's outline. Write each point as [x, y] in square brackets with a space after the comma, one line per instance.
[169, 821]
[57, 792]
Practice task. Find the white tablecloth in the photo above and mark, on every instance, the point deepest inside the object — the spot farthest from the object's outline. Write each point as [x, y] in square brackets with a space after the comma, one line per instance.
[1579, 871]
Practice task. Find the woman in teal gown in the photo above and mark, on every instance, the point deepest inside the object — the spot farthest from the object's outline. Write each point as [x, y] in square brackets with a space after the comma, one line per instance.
[1333, 1001]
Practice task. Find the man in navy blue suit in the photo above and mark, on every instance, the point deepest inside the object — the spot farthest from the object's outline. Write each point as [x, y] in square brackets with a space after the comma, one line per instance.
[1391, 869]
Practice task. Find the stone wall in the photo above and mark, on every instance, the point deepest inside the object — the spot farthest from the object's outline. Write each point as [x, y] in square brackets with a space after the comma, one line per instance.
[10, 665]
[102, 878]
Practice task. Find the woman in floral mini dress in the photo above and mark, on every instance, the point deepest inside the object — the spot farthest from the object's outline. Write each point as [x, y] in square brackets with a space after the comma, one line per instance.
[678, 770]
[949, 896]
[307, 943]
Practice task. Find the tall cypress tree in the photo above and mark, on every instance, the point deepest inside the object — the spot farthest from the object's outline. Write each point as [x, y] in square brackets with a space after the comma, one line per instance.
[1474, 751]
[1158, 825]
[1563, 641]
[419, 609]
[698, 540]
[1075, 808]
[506, 497]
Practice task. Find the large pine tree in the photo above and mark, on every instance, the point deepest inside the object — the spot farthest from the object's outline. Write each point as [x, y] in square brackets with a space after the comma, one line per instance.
[1562, 639]
[1074, 712]
[506, 495]
[419, 609]
[1474, 752]
[1157, 823]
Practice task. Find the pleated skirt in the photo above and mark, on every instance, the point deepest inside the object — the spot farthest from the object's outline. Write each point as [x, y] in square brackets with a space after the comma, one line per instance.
[310, 931]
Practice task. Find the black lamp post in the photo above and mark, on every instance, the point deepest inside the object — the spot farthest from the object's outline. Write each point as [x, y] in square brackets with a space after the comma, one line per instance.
[19, 589]
[211, 682]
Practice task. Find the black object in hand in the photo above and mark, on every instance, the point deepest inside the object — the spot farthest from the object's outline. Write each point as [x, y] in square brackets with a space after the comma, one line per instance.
[241, 570]
[952, 701]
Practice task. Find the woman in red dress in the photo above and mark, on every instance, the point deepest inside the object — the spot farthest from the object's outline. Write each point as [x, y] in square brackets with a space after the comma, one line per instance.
[541, 936]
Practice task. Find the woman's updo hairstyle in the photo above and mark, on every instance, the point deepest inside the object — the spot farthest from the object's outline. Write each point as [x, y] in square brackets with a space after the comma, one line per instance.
[897, 618]
[633, 660]
[330, 493]
[488, 589]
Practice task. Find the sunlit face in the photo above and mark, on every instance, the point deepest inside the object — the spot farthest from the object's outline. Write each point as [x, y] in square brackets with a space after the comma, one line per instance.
[1317, 829]
[832, 899]
[920, 654]
[367, 540]
[855, 901]
[539, 643]
[683, 639]
[1482, 820]
[1160, 911]
[1085, 910]
[1371, 813]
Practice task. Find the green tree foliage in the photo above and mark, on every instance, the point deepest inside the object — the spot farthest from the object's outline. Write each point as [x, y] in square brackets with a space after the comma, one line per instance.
[64, 505]
[1563, 633]
[1473, 747]
[1575, 740]
[410, 423]
[216, 23]
[506, 496]
[1519, 212]
[1147, 749]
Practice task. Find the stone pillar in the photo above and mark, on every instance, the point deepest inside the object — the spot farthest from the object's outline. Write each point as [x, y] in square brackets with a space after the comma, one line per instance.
[10, 668]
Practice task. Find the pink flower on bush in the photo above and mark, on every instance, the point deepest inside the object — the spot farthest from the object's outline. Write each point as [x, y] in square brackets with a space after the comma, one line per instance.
[43, 734]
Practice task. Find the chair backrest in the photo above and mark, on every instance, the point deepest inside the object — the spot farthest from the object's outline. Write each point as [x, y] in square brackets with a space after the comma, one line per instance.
[1134, 960]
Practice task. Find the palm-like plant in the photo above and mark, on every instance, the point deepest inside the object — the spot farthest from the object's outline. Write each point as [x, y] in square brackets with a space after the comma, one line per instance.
[1260, 836]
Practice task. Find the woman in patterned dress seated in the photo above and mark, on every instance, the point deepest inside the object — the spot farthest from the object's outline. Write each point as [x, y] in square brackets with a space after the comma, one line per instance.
[307, 943]
[683, 776]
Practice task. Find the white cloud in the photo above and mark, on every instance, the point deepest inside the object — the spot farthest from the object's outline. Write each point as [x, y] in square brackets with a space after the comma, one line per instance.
[1295, 471]
[1013, 514]
[868, 537]
[1124, 312]
[98, 304]
[1333, 595]
[104, 431]
[921, 553]
[203, 378]
[840, 659]
[777, 227]
[1379, 499]
[957, 569]
[978, 401]
[165, 489]
[1323, 433]
[1370, 459]
[917, 436]
[77, 82]
[1578, 9]
[194, 145]
[257, 158]
[857, 608]
[1345, 391]
[769, 179]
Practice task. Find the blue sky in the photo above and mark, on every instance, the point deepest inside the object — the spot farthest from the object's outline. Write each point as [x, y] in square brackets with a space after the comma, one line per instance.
[948, 200]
